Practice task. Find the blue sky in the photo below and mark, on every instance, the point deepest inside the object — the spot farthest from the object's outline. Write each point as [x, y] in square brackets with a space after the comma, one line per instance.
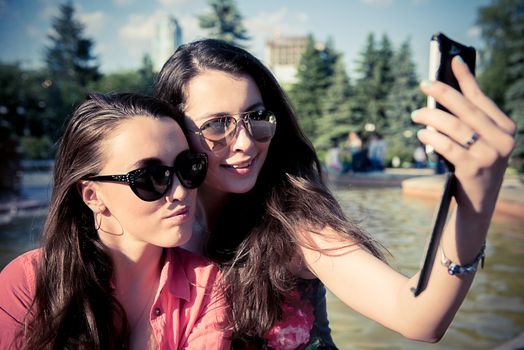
[122, 29]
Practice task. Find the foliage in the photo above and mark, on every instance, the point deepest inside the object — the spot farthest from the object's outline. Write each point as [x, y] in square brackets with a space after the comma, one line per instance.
[314, 75]
[374, 84]
[515, 93]
[336, 108]
[502, 26]
[36, 147]
[224, 22]
[69, 57]
[403, 98]
[329, 106]
[140, 81]
[71, 67]
[22, 99]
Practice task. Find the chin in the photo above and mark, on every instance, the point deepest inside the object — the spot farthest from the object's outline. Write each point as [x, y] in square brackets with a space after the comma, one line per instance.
[241, 188]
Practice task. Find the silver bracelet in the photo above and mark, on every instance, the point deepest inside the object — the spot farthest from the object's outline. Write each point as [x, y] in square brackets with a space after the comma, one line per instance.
[456, 269]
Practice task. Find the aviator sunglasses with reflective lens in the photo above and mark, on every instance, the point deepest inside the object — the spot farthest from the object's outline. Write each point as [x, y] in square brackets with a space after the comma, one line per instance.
[218, 132]
[152, 182]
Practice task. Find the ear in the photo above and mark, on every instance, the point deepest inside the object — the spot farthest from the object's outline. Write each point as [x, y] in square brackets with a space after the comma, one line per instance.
[89, 193]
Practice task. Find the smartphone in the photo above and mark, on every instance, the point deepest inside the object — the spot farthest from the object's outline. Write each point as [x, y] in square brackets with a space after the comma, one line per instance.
[441, 51]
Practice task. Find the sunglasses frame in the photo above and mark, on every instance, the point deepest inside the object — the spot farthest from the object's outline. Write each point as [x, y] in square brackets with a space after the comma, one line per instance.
[244, 118]
[130, 177]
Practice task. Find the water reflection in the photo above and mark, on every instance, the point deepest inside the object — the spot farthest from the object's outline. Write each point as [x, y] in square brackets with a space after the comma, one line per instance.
[493, 311]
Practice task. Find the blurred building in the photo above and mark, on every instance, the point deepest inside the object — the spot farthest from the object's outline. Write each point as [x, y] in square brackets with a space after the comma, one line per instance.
[168, 36]
[282, 55]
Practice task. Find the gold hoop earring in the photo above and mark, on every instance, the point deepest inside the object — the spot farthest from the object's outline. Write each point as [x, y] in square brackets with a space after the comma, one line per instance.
[112, 233]
[98, 223]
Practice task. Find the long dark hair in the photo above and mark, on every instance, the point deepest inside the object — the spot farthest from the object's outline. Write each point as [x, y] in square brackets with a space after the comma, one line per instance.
[74, 304]
[259, 232]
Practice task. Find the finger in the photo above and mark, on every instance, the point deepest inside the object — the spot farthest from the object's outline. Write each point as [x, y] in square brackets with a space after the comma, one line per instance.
[459, 131]
[443, 122]
[473, 93]
[479, 155]
[458, 105]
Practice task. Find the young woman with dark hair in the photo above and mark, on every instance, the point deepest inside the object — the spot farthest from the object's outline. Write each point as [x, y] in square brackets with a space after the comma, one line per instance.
[271, 223]
[108, 275]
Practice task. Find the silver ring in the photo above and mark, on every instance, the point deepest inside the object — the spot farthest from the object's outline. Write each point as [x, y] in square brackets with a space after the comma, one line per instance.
[474, 137]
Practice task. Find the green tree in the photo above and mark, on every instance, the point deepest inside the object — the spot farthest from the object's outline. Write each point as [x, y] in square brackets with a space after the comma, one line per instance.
[71, 67]
[139, 81]
[147, 75]
[404, 97]
[498, 26]
[70, 54]
[501, 71]
[374, 83]
[22, 99]
[314, 74]
[336, 108]
[515, 93]
[224, 22]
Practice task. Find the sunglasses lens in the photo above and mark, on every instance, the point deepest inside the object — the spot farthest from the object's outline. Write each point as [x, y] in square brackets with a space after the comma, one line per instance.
[218, 129]
[191, 168]
[263, 125]
[152, 182]
[219, 132]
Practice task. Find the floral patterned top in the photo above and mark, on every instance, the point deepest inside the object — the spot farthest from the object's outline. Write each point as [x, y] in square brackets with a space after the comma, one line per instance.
[304, 325]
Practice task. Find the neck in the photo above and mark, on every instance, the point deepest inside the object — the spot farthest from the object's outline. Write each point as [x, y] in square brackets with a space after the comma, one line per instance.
[136, 282]
[213, 202]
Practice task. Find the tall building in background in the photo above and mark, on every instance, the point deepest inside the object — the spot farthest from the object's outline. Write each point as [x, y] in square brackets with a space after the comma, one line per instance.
[282, 55]
[168, 36]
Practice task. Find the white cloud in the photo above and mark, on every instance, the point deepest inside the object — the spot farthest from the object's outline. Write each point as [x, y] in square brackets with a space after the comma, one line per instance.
[474, 32]
[172, 3]
[49, 10]
[94, 22]
[35, 33]
[122, 3]
[190, 28]
[136, 34]
[378, 3]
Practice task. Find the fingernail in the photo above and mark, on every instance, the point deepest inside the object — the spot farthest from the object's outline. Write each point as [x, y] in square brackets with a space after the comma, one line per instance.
[459, 59]
[425, 83]
[421, 132]
[414, 114]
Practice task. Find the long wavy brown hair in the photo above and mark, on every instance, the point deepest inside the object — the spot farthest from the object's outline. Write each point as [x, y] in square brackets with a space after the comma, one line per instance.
[74, 306]
[258, 232]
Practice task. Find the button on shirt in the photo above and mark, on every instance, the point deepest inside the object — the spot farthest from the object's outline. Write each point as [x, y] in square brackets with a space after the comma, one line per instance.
[186, 313]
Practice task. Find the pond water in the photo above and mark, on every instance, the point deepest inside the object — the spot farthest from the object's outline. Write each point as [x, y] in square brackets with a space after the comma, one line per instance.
[492, 313]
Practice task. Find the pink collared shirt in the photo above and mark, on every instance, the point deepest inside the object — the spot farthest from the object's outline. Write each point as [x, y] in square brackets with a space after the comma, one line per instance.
[186, 313]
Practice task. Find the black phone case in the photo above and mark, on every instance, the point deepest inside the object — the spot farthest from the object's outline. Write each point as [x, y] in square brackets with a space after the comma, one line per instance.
[448, 49]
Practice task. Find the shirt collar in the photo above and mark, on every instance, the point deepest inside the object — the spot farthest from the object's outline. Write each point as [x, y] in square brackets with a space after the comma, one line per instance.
[174, 275]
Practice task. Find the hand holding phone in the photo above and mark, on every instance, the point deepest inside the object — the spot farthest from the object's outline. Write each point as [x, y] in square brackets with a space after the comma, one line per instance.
[441, 52]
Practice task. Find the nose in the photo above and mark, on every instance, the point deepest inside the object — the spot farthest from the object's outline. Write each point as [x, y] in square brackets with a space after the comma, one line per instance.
[176, 192]
[243, 140]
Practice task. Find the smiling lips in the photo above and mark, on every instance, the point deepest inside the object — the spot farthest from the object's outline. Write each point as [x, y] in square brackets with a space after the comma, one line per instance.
[241, 165]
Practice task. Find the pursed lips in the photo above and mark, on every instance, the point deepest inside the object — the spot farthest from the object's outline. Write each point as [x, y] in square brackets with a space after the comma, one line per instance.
[179, 212]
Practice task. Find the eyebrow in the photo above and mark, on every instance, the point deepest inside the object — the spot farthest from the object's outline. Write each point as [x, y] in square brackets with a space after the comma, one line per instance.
[146, 162]
[255, 106]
